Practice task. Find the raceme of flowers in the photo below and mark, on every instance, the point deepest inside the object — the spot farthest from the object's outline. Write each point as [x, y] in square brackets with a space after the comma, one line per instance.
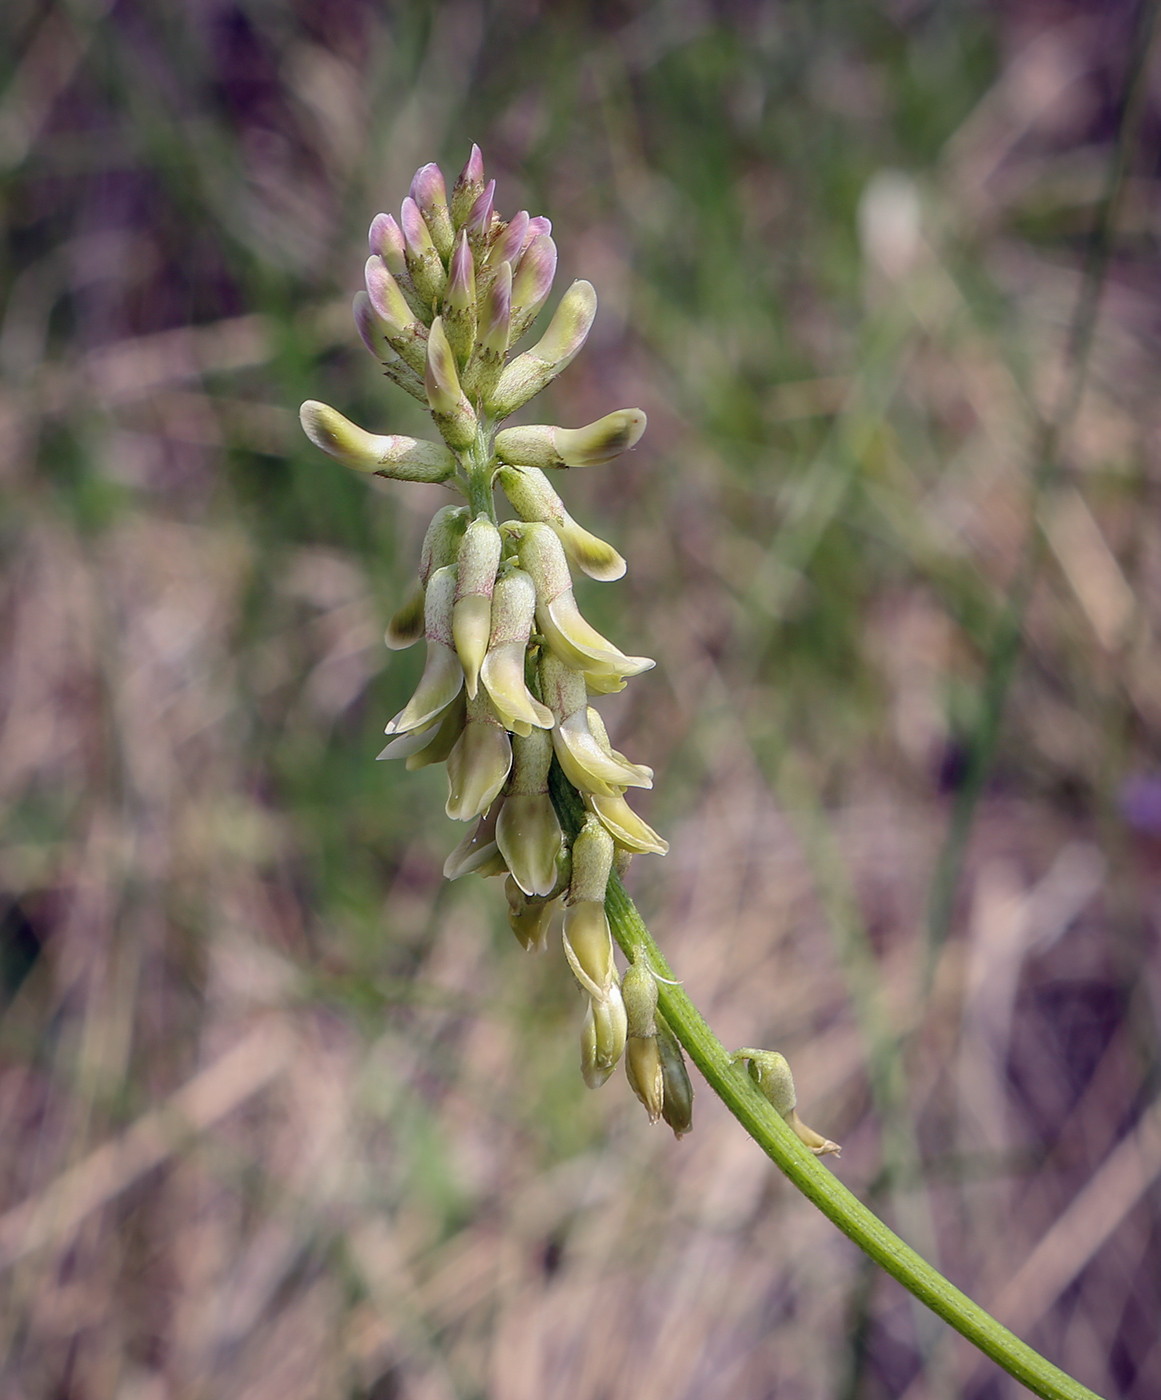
[512, 666]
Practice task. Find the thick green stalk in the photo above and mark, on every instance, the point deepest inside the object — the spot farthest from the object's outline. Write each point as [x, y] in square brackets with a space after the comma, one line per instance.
[740, 1095]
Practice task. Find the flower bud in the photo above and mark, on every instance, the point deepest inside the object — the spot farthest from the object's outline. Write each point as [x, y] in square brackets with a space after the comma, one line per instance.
[592, 859]
[554, 352]
[453, 414]
[459, 307]
[602, 1038]
[477, 767]
[677, 1098]
[430, 194]
[531, 283]
[534, 499]
[529, 916]
[406, 334]
[487, 362]
[479, 221]
[770, 1071]
[443, 676]
[639, 991]
[510, 244]
[385, 239]
[479, 558]
[502, 672]
[537, 227]
[468, 187]
[549, 448]
[441, 543]
[406, 626]
[423, 260]
[401, 458]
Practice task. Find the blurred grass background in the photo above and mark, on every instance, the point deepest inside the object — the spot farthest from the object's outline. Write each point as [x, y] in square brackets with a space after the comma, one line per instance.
[284, 1115]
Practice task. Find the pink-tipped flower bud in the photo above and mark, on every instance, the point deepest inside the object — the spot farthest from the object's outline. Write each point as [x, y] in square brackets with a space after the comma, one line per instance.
[405, 333]
[510, 244]
[479, 220]
[459, 305]
[430, 193]
[453, 414]
[468, 187]
[539, 227]
[385, 239]
[531, 283]
[423, 260]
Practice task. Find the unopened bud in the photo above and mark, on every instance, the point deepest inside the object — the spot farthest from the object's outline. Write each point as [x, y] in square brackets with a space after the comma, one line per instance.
[554, 352]
[385, 239]
[468, 187]
[406, 334]
[423, 259]
[770, 1071]
[479, 220]
[459, 307]
[430, 194]
[639, 991]
[453, 414]
[550, 448]
[401, 458]
[510, 244]
[441, 543]
[531, 283]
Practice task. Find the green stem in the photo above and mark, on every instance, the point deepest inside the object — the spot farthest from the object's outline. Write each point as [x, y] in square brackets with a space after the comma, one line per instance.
[740, 1095]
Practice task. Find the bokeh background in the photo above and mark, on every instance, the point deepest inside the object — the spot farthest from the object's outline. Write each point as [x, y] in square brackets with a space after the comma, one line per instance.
[283, 1114]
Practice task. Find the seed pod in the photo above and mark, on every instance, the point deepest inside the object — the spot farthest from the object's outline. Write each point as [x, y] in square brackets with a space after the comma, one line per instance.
[677, 1097]
[770, 1071]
